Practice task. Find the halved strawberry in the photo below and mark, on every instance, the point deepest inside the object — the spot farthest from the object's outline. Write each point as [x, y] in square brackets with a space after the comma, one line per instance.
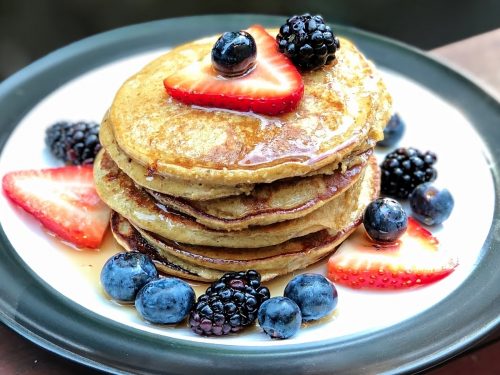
[413, 260]
[273, 87]
[64, 200]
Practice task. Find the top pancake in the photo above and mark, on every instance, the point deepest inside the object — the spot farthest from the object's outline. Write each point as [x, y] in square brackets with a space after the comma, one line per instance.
[344, 108]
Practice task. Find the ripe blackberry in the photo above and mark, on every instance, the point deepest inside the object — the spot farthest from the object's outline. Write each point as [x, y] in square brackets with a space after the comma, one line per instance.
[406, 168]
[307, 41]
[73, 143]
[229, 304]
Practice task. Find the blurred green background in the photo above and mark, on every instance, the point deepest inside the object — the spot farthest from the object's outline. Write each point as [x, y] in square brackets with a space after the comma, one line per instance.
[30, 29]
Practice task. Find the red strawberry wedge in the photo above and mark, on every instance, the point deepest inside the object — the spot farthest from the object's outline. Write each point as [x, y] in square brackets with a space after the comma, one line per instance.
[413, 260]
[64, 200]
[273, 87]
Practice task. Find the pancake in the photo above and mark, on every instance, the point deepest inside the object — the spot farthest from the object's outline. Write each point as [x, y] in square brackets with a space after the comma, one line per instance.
[119, 192]
[283, 258]
[344, 109]
[167, 185]
[274, 257]
[270, 203]
[131, 240]
[187, 189]
[303, 253]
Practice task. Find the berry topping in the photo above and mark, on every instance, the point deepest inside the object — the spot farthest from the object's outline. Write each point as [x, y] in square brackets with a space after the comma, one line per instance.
[385, 220]
[74, 143]
[273, 87]
[165, 301]
[313, 293]
[307, 41]
[124, 274]
[414, 260]
[431, 205]
[406, 168]
[229, 304]
[234, 53]
[393, 131]
[64, 200]
[280, 317]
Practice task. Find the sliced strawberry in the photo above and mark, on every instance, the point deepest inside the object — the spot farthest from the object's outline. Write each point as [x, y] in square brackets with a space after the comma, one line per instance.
[413, 260]
[64, 200]
[274, 86]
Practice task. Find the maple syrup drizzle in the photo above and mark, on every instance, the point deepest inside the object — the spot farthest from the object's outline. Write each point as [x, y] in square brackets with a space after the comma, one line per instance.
[89, 263]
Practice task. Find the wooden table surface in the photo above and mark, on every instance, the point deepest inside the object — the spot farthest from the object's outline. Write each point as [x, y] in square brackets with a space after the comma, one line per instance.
[479, 57]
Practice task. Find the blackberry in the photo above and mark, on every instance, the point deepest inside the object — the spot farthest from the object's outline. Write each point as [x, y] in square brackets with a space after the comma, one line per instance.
[307, 41]
[229, 304]
[406, 168]
[73, 143]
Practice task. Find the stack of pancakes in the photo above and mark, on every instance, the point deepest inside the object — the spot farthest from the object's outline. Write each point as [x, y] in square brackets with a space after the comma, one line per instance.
[204, 191]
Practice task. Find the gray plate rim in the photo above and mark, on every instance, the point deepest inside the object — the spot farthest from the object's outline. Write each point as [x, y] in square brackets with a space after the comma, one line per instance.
[41, 314]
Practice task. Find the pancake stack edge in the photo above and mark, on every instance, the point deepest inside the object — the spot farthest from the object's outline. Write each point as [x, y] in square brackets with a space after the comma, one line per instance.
[275, 217]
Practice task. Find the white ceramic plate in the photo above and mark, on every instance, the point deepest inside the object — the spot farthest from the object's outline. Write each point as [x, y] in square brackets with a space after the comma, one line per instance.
[434, 122]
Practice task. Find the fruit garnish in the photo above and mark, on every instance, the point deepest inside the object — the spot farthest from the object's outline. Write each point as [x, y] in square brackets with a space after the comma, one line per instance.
[234, 53]
[165, 301]
[393, 131]
[385, 220]
[124, 274]
[430, 204]
[307, 41]
[280, 317]
[406, 168]
[315, 295]
[411, 261]
[64, 200]
[75, 143]
[272, 87]
[229, 304]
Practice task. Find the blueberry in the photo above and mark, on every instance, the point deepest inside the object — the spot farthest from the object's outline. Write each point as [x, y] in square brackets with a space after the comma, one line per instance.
[385, 220]
[124, 274]
[280, 317]
[393, 132]
[234, 53]
[313, 293]
[431, 205]
[165, 301]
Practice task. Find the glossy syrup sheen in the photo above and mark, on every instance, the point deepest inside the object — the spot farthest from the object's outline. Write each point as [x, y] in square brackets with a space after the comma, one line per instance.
[90, 262]
[121, 194]
[345, 106]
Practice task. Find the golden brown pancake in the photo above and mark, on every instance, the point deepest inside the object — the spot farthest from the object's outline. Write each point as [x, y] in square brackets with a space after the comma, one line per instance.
[188, 189]
[131, 240]
[344, 109]
[270, 203]
[297, 253]
[167, 185]
[283, 258]
[119, 192]
[205, 191]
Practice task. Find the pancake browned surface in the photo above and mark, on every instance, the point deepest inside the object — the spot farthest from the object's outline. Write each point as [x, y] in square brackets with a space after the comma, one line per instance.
[344, 109]
[301, 250]
[269, 203]
[208, 263]
[123, 196]
[204, 191]
[131, 240]
[167, 185]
